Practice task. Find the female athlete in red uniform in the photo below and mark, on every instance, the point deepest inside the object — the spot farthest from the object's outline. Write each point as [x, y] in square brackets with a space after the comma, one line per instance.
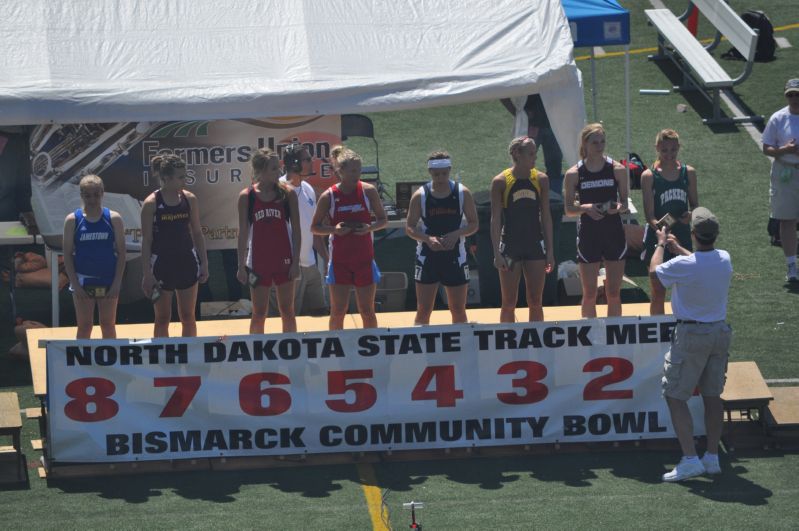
[268, 246]
[601, 184]
[344, 212]
[173, 247]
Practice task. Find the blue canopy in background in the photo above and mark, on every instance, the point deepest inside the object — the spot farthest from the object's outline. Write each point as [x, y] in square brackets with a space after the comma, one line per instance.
[597, 22]
[601, 23]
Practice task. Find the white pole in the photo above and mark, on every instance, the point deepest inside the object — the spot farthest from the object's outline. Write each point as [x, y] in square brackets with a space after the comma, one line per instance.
[593, 84]
[627, 108]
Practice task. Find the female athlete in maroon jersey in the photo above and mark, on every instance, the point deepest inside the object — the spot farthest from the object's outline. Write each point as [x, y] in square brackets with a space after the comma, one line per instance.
[344, 212]
[269, 241]
[173, 247]
[602, 187]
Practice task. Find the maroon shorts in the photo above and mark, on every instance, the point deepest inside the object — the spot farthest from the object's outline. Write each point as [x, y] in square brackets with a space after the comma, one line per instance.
[273, 278]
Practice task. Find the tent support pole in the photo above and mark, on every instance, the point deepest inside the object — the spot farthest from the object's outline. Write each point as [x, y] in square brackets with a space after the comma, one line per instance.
[627, 109]
[593, 85]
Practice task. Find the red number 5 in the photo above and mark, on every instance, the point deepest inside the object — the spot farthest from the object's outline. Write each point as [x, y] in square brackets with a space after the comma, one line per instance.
[365, 395]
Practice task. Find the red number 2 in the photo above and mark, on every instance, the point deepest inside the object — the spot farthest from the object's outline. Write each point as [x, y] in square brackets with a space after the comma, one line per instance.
[78, 409]
[620, 370]
[185, 389]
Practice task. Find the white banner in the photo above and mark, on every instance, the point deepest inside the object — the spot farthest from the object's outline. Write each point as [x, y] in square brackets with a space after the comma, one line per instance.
[359, 390]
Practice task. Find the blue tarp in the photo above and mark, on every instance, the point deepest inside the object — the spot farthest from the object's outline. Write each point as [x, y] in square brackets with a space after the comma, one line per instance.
[597, 22]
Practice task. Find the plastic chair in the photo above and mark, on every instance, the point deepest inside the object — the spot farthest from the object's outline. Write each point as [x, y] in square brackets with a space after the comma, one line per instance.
[360, 125]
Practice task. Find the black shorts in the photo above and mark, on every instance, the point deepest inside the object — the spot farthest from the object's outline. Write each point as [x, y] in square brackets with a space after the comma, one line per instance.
[178, 271]
[601, 240]
[533, 251]
[445, 268]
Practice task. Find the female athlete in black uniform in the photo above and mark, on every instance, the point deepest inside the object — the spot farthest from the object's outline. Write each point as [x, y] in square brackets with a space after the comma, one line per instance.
[521, 230]
[441, 206]
[601, 184]
[173, 247]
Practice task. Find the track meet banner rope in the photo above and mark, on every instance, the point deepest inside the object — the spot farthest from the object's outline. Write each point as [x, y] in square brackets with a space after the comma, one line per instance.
[358, 390]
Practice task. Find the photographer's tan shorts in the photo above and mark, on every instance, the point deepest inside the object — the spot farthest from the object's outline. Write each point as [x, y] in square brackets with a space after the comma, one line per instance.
[784, 191]
[698, 357]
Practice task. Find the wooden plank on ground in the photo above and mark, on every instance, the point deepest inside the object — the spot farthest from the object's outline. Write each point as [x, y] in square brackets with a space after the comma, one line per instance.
[33, 412]
[37, 444]
[10, 418]
[784, 409]
[745, 387]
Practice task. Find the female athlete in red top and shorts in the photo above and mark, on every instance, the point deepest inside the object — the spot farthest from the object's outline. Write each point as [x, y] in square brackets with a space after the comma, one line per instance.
[344, 212]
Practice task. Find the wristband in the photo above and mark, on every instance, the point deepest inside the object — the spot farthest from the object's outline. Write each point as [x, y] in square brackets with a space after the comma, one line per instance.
[661, 245]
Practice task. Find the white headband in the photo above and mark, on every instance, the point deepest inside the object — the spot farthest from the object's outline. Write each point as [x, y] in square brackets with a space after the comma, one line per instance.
[437, 164]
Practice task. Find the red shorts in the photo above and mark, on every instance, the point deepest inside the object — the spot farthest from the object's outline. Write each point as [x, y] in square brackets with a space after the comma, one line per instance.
[358, 275]
[273, 278]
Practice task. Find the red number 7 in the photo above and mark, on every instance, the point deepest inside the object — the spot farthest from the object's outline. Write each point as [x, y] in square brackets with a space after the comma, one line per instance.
[185, 389]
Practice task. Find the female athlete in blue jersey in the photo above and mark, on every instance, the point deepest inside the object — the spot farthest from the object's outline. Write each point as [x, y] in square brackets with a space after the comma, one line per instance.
[94, 259]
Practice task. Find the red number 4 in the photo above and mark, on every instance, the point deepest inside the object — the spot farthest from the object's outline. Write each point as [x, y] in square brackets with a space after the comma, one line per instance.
[445, 394]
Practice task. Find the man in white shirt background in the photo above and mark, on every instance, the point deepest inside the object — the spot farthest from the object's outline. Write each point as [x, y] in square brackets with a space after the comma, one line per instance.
[781, 141]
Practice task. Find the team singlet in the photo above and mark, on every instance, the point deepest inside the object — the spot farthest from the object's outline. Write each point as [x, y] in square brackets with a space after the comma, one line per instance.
[171, 227]
[95, 250]
[351, 208]
[440, 216]
[521, 202]
[270, 239]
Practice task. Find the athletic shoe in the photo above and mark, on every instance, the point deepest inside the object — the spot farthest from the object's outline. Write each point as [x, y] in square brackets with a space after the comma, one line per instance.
[685, 470]
[791, 276]
[711, 464]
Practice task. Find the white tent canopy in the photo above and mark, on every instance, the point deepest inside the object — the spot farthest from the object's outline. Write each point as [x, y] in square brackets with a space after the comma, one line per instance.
[82, 61]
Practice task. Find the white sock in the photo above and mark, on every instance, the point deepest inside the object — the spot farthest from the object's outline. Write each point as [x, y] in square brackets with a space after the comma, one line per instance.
[711, 455]
[790, 260]
[691, 459]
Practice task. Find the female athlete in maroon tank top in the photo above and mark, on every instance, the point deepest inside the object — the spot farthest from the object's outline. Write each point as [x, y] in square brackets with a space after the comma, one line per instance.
[343, 213]
[173, 247]
[268, 246]
[602, 233]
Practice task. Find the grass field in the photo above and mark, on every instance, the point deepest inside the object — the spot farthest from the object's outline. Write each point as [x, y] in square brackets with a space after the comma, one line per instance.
[596, 490]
